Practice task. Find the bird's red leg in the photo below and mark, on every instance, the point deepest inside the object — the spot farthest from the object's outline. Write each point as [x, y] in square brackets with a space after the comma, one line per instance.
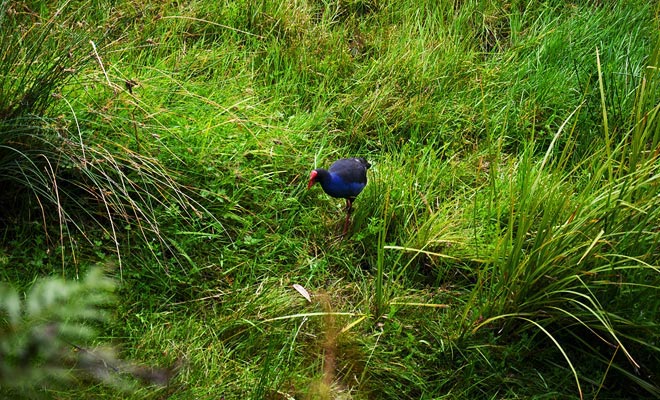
[346, 225]
[349, 208]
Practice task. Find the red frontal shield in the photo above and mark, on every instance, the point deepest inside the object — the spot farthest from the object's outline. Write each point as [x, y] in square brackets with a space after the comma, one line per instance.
[312, 179]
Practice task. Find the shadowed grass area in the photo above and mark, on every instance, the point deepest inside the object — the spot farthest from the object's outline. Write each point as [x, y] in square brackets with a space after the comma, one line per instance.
[505, 246]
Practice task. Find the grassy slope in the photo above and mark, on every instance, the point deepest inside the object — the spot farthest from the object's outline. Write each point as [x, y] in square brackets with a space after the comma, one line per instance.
[456, 107]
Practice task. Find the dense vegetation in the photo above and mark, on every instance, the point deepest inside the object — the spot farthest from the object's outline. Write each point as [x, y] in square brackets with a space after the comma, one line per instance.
[507, 244]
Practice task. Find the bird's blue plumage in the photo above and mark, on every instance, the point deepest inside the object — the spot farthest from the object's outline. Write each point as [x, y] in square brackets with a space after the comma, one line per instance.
[336, 186]
[344, 179]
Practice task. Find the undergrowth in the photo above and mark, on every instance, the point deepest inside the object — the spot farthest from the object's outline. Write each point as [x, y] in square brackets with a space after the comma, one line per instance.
[505, 245]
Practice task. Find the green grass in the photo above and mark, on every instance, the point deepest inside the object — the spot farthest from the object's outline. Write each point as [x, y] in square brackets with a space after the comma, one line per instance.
[506, 245]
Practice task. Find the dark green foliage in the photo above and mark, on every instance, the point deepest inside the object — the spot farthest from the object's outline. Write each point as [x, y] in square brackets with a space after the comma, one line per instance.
[38, 335]
[46, 339]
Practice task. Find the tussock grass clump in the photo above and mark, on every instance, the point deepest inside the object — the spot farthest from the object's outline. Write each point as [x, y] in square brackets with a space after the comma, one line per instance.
[564, 256]
[552, 245]
[61, 170]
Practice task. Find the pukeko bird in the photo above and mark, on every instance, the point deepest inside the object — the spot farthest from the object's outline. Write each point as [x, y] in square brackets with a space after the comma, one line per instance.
[345, 179]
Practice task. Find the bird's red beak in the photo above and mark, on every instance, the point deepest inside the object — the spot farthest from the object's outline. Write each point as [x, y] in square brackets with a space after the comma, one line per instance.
[312, 179]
